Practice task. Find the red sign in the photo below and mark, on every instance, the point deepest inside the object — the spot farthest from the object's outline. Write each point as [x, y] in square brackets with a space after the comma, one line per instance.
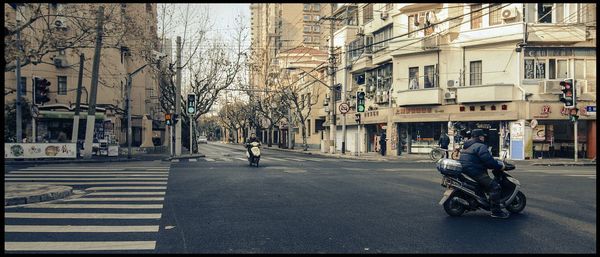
[544, 113]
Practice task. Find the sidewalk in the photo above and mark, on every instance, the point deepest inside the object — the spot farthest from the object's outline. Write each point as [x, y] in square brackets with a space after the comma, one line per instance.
[372, 156]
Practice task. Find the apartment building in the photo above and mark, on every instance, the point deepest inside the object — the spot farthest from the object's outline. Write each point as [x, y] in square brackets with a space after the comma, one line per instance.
[432, 68]
[61, 69]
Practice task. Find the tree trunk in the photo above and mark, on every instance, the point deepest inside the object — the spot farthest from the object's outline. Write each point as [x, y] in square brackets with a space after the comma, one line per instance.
[270, 136]
[304, 143]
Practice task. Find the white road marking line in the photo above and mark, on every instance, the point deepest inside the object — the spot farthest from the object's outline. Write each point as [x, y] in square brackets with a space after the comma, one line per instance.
[226, 159]
[126, 188]
[95, 206]
[126, 193]
[209, 159]
[71, 168]
[175, 160]
[25, 215]
[296, 160]
[275, 159]
[89, 172]
[80, 229]
[86, 175]
[242, 159]
[96, 199]
[79, 246]
[93, 183]
[192, 160]
[84, 179]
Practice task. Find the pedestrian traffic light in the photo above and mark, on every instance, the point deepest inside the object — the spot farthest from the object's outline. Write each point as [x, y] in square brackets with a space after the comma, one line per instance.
[360, 101]
[568, 95]
[191, 103]
[357, 117]
[42, 89]
[168, 120]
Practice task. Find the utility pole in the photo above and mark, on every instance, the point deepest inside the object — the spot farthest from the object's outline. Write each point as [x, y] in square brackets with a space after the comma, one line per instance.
[344, 87]
[332, 126]
[178, 99]
[75, 133]
[91, 117]
[576, 146]
[290, 129]
[18, 87]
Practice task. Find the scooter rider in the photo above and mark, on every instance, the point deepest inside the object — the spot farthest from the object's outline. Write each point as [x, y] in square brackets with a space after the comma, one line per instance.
[251, 140]
[475, 159]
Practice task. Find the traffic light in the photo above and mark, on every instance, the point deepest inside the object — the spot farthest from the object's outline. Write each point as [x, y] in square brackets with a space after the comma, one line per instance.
[568, 96]
[168, 120]
[360, 101]
[191, 103]
[357, 117]
[42, 89]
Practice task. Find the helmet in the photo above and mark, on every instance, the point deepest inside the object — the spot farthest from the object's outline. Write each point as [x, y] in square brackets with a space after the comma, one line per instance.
[477, 133]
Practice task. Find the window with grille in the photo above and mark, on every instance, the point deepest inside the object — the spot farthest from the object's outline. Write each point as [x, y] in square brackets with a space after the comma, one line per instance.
[495, 11]
[62, 85]
[544, 11]
[306, 17]
[317, 7]
[475, 73]
[429, 72]
[306, 28]
[476, 16]
[317, 28]
[367, 13]
[355, 49]
[535, 69]
[306, 7]
[389, 6]
[381, 38]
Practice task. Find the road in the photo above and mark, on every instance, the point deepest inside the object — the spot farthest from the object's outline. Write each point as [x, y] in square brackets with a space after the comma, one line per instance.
[297, 203]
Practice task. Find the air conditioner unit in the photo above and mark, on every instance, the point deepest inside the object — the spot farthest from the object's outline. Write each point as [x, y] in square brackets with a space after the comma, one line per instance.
[384, 15]
[60, 62]
[450, 95]
[60, 23]
[360, 32]
[509, 12]
[453, 83]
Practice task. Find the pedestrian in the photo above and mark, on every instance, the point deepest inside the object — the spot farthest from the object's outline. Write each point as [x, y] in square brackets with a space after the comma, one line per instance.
[382, 143]
[444, 142]
[62, 137]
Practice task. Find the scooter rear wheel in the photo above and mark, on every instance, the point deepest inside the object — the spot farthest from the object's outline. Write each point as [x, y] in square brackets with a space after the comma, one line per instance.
[454, 208]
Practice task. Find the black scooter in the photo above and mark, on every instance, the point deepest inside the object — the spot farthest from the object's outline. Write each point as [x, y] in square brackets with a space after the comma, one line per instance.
[464, 194]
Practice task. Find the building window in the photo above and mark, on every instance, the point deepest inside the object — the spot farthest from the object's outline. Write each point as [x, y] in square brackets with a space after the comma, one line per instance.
[476, 16]
[355, 49]
[414, 22]
[544, 11]
[307, 39]
[535, 69]
[475, 73]
[316, 17]
[316, 39]
[317, 7]
[23, 86]
[367, 13]
[306, 28]
[368, 44]
[413, 78]
[317, 28]
[307, 7]
[306, 17]
[560, 12]
[62, 85]
[389, 6]
[495, 14]
[149, 7]
[558, 69]
[381, 38]
[429, 72]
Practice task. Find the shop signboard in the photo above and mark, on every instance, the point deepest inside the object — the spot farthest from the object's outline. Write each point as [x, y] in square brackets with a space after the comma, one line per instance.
[40, 150]
[590, 109]
[539, 133]
[517, 138]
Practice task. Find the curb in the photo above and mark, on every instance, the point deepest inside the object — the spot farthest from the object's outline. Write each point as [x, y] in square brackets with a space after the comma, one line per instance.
[184, 157]
[58, 193]
[563, 164]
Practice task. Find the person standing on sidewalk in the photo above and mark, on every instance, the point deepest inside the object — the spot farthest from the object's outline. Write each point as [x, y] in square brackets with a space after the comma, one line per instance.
[382, 145]
[444, 142]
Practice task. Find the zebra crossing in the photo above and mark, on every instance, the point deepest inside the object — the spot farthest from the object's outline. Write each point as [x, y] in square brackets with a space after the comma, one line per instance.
[243, 159]
[113, 209]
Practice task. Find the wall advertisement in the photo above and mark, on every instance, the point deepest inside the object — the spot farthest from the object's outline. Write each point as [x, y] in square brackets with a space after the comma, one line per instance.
[39, 150]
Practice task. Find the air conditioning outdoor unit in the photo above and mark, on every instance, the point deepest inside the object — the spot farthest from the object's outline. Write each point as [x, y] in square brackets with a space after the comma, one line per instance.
[60, 23]
[384, 15]
[509, 12]
[360, 32]
[450, 95]
[453, 83]
[60, 62]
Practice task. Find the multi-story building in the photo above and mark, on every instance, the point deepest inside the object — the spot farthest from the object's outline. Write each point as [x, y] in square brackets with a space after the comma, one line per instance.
[432, 68]
[116, 61]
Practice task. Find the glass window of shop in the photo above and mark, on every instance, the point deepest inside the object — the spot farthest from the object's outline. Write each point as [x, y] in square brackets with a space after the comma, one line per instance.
[424, 135]
[555, 139]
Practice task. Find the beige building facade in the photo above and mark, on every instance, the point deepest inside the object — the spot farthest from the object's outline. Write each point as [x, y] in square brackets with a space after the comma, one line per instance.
[61, 69]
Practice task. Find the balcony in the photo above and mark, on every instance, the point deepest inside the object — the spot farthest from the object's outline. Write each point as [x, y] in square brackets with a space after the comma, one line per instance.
[430, 43]
[426, 96]
[485, 93]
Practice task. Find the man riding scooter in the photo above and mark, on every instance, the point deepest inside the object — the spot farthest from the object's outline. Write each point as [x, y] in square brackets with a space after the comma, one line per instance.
[250, 141]
[476, 159]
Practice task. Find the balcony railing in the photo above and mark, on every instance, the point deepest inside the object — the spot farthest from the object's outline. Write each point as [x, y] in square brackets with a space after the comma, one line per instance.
[426, 96]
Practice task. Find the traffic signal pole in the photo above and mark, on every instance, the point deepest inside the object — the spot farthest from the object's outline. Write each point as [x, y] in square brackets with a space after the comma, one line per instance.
[332, 125]
[91, 117]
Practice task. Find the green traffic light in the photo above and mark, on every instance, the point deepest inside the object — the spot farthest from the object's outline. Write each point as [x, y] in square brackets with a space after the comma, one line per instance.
[361, 108]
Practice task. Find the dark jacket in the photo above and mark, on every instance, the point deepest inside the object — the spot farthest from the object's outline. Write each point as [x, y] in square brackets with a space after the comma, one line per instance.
[476, 159]
[444, 141]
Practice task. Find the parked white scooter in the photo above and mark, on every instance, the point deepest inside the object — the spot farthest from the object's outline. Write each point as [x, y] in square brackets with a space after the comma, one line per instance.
[255, 149]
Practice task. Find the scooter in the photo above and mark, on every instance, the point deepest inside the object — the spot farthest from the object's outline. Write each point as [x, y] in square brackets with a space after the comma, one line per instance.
[464, 194]
[255, 149]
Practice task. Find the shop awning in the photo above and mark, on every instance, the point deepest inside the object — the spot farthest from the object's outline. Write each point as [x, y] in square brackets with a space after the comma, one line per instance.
[420, 7]
[67, 115]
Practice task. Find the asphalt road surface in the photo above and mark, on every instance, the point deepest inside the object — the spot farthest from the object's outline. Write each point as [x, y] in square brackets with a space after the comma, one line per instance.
[291, 203]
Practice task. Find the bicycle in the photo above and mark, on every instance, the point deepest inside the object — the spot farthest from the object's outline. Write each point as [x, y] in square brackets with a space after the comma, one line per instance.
[438, 153]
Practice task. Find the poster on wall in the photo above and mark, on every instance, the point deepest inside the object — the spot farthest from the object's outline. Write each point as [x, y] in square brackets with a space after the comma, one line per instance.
[539, 133]
[40, 150]
[516, 130]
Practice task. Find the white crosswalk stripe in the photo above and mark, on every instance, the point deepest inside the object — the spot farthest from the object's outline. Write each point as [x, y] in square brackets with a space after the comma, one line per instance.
[133, 196]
